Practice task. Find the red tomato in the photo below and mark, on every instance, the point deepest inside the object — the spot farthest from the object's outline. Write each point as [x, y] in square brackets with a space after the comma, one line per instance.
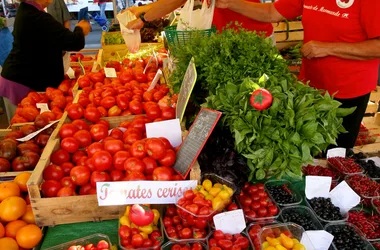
[67, 130]
[158, 95]
[137, 240]
[113, 146]
[186, 233]
[162, 174]
[103, 111]
[84, 138]
[138, 149]
[92, 114]
[53, 172]
[134, 165]
[135, 176]
[75, 111]
[85, 189]
[108, 101]
[119, 159]
[59, 157]
[147, 243]
[136, 107]
[105, 123]
[81, 125]
[139, 124]
[77, 155]
[218, 235]
[148, 96]
[66, 167]
[98, 132]
[98, 176]
[169, 158]
[80, 175]
[155, 148]
[102, 160]
[168, 113]
[97, 77]
[117, 175]
[122, 101]
[124, 232]
[140, 77]
[150, 165]
[93, 148]
[114, 111]
[272, 210]
[153, 112]
[166, 143]
[66, 191]
[50, 188]
[68, 182]
[117, 134]
[70, 144]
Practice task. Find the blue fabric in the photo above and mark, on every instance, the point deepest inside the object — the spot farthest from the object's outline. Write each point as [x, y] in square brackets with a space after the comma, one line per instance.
[102, 7]
[83, 14]
[6, 40]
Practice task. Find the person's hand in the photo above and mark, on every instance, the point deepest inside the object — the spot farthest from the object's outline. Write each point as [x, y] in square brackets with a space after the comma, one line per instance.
[315, 49]
[223, 4]
[85, 25]
[135, 24]
[135, 10]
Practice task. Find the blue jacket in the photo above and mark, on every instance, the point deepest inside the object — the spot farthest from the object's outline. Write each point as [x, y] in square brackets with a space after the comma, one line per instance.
[6, 40]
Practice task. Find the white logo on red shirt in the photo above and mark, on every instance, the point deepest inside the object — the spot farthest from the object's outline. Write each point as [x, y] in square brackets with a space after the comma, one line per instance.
[344, 4]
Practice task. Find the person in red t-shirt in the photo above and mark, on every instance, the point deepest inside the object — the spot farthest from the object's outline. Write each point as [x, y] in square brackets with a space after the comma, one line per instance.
[341, 48]
[222, 17]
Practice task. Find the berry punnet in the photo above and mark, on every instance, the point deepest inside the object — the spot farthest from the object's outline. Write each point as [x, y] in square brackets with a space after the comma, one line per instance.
[325, 209]
[345, 237]
[282, 194]
[367, 223]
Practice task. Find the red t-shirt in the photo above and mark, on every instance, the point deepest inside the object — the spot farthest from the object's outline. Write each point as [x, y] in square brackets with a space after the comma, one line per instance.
[349, 21]
[222, 17]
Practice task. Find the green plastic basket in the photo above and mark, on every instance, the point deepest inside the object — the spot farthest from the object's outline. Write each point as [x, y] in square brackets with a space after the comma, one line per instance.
[180, 37]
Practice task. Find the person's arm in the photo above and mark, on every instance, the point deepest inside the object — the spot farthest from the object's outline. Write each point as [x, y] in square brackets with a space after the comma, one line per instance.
[153, 11]
[65, 14]
[263, 12]
[67, 24]
[366, 50]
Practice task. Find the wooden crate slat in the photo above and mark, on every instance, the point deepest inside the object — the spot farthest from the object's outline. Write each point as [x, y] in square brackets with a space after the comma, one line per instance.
[12, 174]
[291, 36]
[282, 26]
[372, 108]
[375, 95]
[4, 132]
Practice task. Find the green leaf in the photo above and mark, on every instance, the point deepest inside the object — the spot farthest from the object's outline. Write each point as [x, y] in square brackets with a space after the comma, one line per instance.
[231, 90]
[260, 174]
[308, 130]
[276, 164]
[269, 157]
[295, 138]
[318, 139]
[341, 112]
[305, 152]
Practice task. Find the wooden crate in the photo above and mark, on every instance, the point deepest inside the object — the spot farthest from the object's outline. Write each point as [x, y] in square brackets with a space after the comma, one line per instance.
[288, 33]
[373, 125]
[372, 107]
[375, 95]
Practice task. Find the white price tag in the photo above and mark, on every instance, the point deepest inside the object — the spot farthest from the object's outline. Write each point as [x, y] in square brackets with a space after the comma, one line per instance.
[232, 222]
[344, 197]
[32, 135]
[376, 160]
[155, 80]
[71, 73]
[110, 72]
[319, 239]
[336, 152]
[43, 107]
[317, 186]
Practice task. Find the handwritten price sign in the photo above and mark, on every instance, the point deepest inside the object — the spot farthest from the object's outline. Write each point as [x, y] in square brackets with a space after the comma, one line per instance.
[141, 192]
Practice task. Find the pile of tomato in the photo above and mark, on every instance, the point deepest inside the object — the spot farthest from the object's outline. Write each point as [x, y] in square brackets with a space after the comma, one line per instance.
[220, 240]
[57, 100]
[22, 156]
[90, 154]
[17, 223]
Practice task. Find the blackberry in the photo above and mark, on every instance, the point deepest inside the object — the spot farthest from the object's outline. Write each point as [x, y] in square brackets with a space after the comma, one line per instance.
[346, 238]
[305, 220]
[282, 195]
[370, 168]
[325, 209]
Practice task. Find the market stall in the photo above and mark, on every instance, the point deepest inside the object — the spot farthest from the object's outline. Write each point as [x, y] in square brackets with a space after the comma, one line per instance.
[192, 149]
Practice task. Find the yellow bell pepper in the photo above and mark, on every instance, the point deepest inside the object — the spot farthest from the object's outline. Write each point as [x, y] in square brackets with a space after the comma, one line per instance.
[156, 216]
[215, 191]
[146, 229]
[134, 226]
[218, 185]
[217, 203]
[144, 235]
[224, 195]
[127, 209]
[207, 184]
[124, 220]
[228, 189]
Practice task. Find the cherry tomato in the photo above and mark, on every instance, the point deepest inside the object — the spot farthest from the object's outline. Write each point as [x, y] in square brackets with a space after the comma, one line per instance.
[113, 146]
[98, 132]
[169, 158]
[98, 176]
[138, 149]
[70, 144]
[155, 148]
[80, 175]
[102, 160]
[50, 188]
[119, 159]
[134, 165]
[67, 130]
[84, 138]
[53, 172]
[59, 157]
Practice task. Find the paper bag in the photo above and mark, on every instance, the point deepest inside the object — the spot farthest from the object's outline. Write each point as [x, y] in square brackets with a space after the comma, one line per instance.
[132, 38]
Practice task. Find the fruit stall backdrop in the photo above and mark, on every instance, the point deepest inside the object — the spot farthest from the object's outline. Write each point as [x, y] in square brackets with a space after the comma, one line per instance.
[192, 149]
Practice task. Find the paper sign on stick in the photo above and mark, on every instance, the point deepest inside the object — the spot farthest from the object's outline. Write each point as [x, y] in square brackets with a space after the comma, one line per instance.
[186, 88]
[319, 239]
[155, 80]
[232, 222]
[110, 72]
[170, 129]
[43, 107]
[317, 186]
[336, 152]
[71, 73]
[344, 197]
[32, 135]
[141, 192]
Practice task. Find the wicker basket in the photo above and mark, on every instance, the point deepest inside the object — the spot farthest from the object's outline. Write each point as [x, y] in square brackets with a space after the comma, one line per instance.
[178, 37]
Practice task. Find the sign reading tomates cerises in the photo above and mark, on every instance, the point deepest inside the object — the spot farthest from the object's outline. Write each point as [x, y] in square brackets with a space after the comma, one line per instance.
[141, 192]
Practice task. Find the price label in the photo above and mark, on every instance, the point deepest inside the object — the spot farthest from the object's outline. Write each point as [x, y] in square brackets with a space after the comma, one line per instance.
[336, 152]
[232, 222]
[193, 144]
[43, 107]
[155, 80]
[110, 72]
[32, 135]
[71, 73]
[186, 88]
